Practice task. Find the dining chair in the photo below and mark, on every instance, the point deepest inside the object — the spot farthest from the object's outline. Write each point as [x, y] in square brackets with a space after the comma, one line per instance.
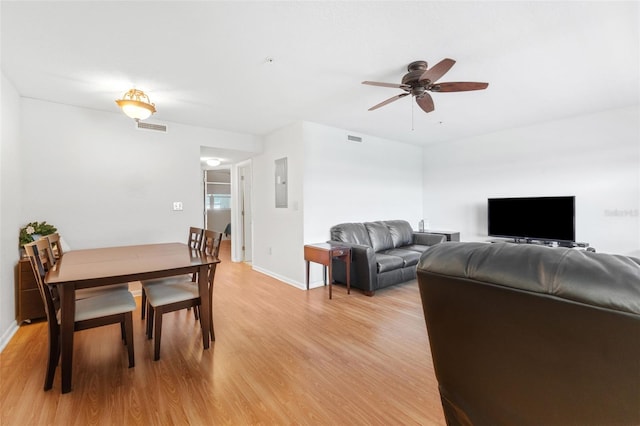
[195, 237]
[55, 245]
[209, 243]
[194, 240]
[115, 307]
[176, 295]
[211, 246]
[56, 252]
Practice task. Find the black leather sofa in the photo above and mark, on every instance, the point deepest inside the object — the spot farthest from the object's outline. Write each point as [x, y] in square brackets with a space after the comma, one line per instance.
[531, 335]
[383, 253]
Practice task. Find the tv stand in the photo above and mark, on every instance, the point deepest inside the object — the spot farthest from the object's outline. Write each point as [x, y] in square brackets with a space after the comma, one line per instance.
[566, 244]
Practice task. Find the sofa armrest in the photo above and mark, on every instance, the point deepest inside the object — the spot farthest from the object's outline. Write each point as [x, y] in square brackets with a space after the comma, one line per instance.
[363, 267]
[427, 239]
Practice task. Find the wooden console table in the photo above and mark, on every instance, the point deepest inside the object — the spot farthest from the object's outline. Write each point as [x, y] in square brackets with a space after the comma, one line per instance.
[323, 253]
[29, 303]
[450, 235]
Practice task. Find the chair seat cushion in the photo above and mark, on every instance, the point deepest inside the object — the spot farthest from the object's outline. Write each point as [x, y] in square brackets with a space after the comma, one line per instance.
[85, 293]
[111, 303]
[409, 257]
[386, 262]
[177, 279]
[158, 295]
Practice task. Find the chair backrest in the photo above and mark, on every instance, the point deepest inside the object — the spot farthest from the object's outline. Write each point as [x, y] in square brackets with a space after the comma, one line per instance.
[55, 246]
[523, 334]
[211, 246]
[211, 242]
[41, 249]
[41, 259]
[195, 238]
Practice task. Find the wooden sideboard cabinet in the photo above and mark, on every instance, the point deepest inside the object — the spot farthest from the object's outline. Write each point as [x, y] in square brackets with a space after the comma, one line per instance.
[28, 300]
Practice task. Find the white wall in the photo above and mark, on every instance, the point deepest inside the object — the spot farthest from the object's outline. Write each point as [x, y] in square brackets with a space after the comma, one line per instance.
[594, 157]
[11, 195]
[330, 181]
[278, 232]
[376, 179]
[102, 182]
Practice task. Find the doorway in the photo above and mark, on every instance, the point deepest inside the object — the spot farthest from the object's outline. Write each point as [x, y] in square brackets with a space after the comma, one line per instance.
[227, 195]
[217, 200]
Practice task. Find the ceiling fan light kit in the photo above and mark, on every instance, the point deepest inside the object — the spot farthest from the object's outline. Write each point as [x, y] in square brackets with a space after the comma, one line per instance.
[136, 104]
[420, 80]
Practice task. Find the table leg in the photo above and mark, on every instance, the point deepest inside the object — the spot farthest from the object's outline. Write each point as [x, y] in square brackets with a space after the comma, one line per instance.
[330, 276]
[67, 319]
[205, 309]
[348, 260]
[213, 334]
[307, 262]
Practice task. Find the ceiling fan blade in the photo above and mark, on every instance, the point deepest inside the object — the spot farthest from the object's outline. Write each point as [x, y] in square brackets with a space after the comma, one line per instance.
[438, 70]
[392, 85]
[388, 101]
[425, 101]
[458, 86]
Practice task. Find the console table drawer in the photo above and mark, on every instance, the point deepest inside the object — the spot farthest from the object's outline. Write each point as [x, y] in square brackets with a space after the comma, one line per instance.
[28, 300]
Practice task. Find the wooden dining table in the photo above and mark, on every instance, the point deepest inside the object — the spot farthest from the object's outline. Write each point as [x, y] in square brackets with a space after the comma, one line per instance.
[88, 268]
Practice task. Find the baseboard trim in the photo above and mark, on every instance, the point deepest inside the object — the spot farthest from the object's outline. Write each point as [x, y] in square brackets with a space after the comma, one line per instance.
[285, 280]
[8, 334]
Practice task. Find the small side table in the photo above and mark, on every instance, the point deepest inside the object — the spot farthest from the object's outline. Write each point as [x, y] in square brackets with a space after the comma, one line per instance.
[450, 235]
[323, 253]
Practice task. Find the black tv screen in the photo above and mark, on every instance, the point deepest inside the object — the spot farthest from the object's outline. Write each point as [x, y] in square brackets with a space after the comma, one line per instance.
[532, 218]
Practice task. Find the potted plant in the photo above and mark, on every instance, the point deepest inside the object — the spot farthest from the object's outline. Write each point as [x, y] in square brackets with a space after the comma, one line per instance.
[34, 230]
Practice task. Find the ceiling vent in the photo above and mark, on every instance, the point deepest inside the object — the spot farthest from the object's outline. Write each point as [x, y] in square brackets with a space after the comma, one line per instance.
[141, 125]
[352, 138]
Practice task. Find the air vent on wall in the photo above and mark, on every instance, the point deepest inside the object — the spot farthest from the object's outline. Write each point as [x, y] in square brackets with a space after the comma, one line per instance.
[352, 138]
[141, 125]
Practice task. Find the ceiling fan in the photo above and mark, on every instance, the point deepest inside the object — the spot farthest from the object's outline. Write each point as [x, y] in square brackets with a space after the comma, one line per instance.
[420, 80]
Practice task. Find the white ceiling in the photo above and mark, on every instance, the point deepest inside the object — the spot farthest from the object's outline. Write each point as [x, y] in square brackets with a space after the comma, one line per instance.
[205, 63]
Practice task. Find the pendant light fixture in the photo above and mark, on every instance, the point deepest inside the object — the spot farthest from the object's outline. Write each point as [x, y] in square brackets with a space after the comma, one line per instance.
[136, 104]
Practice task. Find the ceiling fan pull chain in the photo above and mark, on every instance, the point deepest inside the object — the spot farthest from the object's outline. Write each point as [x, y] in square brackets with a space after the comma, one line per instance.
[412, 118]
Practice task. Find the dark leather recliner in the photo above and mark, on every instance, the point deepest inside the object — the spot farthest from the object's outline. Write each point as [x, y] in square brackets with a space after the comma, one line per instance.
[531, 335]
[383, 253]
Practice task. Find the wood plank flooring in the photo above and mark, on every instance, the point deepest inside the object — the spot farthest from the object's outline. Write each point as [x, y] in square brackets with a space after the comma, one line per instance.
[281, 356]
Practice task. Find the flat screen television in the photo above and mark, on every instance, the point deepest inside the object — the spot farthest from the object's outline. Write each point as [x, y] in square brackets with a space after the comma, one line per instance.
[532, 218]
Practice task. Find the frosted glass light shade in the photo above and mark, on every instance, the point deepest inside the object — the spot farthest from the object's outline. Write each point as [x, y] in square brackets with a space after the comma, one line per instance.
[135, 111]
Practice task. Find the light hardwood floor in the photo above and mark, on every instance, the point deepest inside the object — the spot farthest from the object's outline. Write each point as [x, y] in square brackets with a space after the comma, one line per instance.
[281, 356]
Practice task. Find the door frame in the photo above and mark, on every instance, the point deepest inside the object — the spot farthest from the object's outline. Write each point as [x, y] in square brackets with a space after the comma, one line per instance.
[241, 226]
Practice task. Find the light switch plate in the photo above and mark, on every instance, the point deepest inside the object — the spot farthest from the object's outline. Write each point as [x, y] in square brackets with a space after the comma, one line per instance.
[177, 205]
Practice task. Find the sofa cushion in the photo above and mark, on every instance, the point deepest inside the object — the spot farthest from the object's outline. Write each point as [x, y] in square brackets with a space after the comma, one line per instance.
[354, 233]
[386, 262]
[401, 232]
[416, 247]
[409, 257]
[379, 235]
